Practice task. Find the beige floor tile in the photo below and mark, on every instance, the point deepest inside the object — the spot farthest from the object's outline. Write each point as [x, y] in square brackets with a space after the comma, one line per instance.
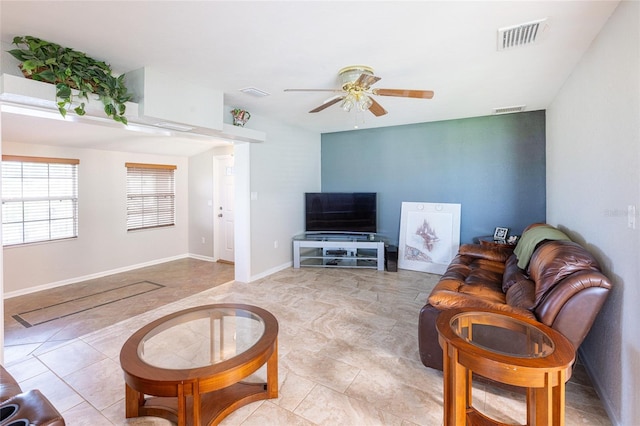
[292, 389]
[101, 383]
[85, 415]
[18, 353]
[271, 414]
[28, 368]
[324, 406]
[80, 353]
[110, 343]
[505, 406]
[347, 348]
[326, 371]
[384, 390]
[61, 395]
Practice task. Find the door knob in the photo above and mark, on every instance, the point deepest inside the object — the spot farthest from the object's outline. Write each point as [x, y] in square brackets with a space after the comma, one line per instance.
[220, 215]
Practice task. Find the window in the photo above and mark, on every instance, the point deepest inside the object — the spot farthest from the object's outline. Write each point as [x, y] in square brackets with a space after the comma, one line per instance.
[150, 196]
[39, 199]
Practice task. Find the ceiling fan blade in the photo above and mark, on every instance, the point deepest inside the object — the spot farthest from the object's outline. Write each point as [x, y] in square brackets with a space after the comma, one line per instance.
[421, 94]
[328, 103]
[366, 80]
[313, 90]
[376, 109]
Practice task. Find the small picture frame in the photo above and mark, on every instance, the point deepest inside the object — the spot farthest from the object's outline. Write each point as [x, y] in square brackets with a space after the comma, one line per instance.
[500, 234]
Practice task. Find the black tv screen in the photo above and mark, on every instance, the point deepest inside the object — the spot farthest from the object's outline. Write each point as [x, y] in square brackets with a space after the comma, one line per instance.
[341, 212]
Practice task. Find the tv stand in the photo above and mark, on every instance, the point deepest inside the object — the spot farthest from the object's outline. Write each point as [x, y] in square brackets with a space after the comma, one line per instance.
[338, 251]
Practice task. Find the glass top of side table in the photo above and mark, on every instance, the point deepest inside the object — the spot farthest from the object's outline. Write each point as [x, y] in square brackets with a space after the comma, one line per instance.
[502, 334]
[201, 338]
[339, 236]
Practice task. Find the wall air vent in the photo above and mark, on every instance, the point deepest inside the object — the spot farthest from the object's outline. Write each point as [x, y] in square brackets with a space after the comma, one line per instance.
[521, 35]
[508, 110]
[255, 92]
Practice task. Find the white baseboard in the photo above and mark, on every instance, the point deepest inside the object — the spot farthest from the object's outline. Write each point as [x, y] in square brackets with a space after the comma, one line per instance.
[101, 274]
[48, 286]
[271, 271]
[199, 257]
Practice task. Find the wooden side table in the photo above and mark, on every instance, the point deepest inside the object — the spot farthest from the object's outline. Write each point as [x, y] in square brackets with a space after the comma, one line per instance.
[508, 349]
[488, 241]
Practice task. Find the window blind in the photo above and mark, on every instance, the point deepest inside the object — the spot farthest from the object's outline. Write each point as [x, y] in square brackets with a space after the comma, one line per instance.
[150, 195]
[39, 199]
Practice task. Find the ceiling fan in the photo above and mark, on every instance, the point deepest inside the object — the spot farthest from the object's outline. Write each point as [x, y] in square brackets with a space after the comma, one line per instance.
[356, 91]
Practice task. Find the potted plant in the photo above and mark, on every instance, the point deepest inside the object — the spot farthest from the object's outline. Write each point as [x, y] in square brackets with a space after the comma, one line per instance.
[69, 69]
[240, 117]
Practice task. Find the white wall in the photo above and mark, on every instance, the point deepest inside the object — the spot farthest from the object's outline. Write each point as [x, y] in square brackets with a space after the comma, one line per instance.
[278, 171]
[283, 168]
[103, 244]
[593, 174]
[201, 214]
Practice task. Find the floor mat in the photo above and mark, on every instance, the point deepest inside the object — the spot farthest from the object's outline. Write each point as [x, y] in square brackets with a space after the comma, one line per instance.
[84, 303]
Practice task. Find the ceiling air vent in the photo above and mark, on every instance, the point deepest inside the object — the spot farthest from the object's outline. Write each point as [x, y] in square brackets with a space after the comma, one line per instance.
[254, 92]
[521, 35]
[508, 110]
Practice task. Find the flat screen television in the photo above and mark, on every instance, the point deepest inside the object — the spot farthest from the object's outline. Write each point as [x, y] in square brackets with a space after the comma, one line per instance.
[347, 212]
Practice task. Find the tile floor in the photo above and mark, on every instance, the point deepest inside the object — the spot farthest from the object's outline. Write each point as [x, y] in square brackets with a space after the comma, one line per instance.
[348, 351]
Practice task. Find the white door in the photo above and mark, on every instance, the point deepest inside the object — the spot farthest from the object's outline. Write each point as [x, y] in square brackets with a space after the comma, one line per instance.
[224, 208]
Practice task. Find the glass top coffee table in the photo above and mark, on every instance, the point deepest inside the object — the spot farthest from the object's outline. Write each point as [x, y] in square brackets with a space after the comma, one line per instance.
[506, 348]
[189, 367]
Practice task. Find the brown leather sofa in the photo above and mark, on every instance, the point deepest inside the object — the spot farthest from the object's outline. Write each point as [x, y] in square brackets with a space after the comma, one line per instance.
[19, 408]
[560, 285]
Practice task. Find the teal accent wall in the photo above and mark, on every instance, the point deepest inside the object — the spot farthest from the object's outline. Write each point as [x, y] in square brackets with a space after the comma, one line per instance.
[493, 166]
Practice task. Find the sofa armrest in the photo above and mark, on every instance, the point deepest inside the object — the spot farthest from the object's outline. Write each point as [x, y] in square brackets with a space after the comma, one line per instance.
[572, 305]
[428, 345]
[8, 385]
[33, 407]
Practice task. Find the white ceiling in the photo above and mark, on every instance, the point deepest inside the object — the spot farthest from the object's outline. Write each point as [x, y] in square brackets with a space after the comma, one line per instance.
[445, 46]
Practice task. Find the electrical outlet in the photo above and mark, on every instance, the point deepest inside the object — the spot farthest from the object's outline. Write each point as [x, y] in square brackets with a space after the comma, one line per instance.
[202, 240]
[275, 244]
[631, 217]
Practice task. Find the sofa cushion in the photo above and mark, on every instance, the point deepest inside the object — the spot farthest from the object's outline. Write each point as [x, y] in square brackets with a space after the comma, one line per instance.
[496, 254]
[512, 274]
[473, 282]
[555, 260]
[522, 295]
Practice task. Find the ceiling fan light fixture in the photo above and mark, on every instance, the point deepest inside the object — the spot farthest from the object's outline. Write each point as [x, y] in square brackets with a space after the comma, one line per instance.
[348, 102]
[352, 73]
[364, 103]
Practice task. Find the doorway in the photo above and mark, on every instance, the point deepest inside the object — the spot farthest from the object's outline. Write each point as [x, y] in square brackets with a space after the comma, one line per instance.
[224, 208]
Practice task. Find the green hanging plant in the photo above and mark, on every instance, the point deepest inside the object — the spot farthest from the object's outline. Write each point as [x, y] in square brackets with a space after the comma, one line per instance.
[69, 69]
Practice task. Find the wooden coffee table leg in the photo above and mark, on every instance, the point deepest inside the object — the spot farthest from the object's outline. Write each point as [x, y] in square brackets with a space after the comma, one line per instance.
[461, 389]
[446, 385]
[132, 400]
[196, 404]
[182, 406]
[559, 399]
[272, 373]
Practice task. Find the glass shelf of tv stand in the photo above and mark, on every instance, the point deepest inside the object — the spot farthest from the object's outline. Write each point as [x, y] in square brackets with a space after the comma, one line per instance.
[338, 251]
